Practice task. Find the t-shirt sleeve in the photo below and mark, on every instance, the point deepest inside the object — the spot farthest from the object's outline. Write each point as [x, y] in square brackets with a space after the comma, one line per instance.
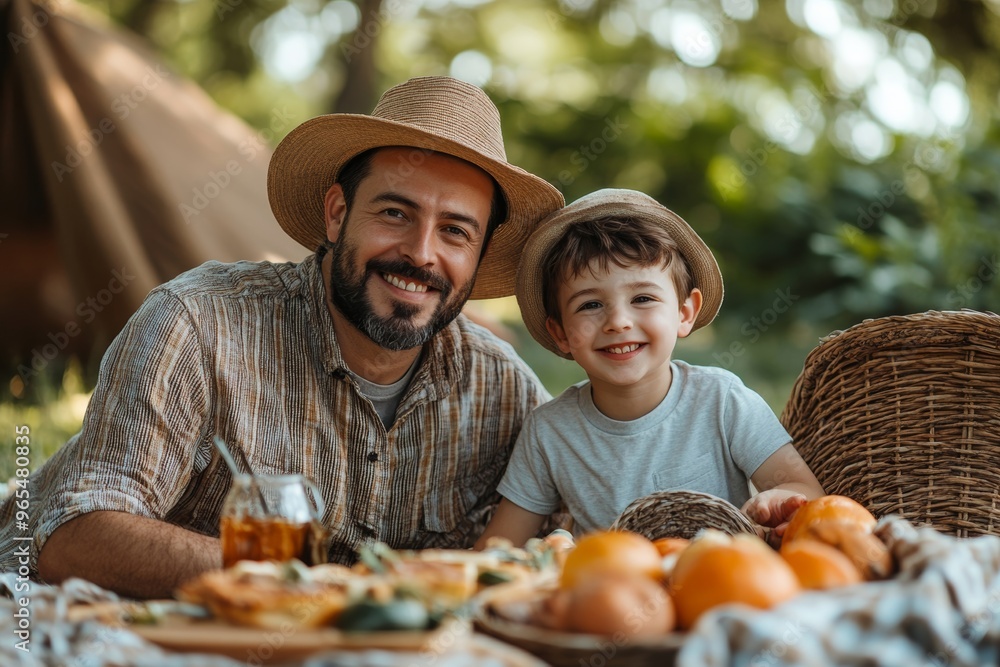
[141, 438]
[528, 482]
[753, 431]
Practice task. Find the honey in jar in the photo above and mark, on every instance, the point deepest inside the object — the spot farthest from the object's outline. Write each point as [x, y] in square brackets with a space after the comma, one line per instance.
[270, 517]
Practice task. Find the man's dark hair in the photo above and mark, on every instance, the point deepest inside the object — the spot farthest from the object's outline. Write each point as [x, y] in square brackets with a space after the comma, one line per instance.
[358, 167]
[352, 173]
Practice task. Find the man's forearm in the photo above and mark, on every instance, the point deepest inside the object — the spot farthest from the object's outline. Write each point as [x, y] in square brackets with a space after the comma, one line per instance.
[128, 554]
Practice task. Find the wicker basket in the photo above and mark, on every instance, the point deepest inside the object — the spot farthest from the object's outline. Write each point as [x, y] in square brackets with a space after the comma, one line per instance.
[683, 514]
[903, 415]
[501, 614]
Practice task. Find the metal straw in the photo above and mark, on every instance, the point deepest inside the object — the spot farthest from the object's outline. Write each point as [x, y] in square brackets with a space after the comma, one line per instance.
[231, 462]
[227, 456]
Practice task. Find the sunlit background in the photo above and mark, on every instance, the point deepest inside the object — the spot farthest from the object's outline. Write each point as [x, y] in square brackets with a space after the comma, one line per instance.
[839, 156]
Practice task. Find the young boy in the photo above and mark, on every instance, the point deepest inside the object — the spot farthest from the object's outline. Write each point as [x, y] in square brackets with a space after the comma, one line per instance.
[612, 281]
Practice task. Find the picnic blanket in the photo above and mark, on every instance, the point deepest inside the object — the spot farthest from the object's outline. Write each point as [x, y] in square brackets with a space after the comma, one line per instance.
[54, 640]
[942, 608]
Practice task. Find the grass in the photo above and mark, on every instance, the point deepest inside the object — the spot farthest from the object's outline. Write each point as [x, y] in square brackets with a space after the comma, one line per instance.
[51, 421]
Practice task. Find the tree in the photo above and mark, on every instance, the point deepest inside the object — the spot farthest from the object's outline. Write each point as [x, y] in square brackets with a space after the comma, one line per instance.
[789, 151]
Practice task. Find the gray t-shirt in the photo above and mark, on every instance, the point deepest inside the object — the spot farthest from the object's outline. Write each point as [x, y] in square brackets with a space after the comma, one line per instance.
[710, 433]
[385, 398]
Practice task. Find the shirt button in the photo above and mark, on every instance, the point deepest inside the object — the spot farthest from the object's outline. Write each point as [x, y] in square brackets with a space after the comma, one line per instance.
[373, 457]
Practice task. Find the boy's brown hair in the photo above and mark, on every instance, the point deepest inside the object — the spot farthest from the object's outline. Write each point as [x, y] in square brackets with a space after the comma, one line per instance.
[633, 225]
[624, 241]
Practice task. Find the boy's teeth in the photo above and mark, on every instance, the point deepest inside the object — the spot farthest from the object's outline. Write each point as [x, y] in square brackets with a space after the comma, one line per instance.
[625, 350]
[402, 284]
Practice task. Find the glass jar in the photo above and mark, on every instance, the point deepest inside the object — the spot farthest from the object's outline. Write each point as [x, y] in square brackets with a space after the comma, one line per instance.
[273, 517]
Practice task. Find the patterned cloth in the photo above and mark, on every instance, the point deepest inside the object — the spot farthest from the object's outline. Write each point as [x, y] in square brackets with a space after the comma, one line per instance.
[247, 351]
[56, 641]
[942, 608]
[53, 641]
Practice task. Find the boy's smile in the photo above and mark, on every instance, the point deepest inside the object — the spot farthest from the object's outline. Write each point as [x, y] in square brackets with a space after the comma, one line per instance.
[621, 325]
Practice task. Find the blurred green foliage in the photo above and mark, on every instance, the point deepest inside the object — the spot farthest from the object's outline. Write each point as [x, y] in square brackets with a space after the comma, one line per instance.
[839, 156]
[763, 148]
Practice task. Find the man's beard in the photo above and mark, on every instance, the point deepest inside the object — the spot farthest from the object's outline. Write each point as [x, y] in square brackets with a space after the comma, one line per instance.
[396, 331]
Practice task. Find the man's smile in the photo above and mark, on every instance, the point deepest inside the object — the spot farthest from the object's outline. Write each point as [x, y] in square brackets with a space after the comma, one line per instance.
[403, 284]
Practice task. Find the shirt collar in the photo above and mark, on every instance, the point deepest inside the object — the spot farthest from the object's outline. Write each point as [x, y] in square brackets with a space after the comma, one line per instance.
[325, 341]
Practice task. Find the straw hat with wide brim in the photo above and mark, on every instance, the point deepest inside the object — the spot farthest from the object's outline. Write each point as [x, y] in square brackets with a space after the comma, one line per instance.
[620, 204]
[436, 113]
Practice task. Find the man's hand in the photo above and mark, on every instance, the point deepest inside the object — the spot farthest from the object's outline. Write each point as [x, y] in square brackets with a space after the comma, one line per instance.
[131, 555]
[774, 509]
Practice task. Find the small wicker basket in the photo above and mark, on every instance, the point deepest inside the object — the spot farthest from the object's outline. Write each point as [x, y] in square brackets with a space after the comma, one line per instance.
[683, 514]
[902, 414]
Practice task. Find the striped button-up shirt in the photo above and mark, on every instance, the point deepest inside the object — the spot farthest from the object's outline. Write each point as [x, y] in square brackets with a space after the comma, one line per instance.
[247, 351]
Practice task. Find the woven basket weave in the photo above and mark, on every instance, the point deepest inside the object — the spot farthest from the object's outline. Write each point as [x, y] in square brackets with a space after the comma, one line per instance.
[903, 415]
[683, 514]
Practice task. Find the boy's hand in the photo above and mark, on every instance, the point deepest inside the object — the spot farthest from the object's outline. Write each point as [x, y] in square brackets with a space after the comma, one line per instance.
[774, 509]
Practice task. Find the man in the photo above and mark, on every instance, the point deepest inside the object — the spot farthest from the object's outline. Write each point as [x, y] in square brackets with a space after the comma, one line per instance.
[351, 367]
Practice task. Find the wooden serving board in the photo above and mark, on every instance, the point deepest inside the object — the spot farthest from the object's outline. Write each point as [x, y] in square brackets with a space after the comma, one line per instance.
[184, 634]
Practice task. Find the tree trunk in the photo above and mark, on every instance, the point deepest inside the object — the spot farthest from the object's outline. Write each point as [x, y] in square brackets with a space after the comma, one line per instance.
[359, 93]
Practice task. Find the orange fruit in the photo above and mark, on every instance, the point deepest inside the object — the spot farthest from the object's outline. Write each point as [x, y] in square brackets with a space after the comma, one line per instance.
[828, 508]
[671, 545]
[704, 540]
[613, 604]
[862, 547]
[610, 552]
[551, 612]
[670, 549]
[819, 566]
[741, 569]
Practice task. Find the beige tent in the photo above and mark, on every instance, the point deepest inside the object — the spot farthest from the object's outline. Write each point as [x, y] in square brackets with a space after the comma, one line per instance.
[116, 175]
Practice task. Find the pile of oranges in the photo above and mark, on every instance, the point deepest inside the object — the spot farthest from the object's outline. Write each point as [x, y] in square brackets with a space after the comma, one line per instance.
[622, 584]
[611, 584]
[845, 526]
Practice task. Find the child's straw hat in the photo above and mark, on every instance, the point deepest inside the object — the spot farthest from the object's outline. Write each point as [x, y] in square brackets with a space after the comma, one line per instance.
[621, 204]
